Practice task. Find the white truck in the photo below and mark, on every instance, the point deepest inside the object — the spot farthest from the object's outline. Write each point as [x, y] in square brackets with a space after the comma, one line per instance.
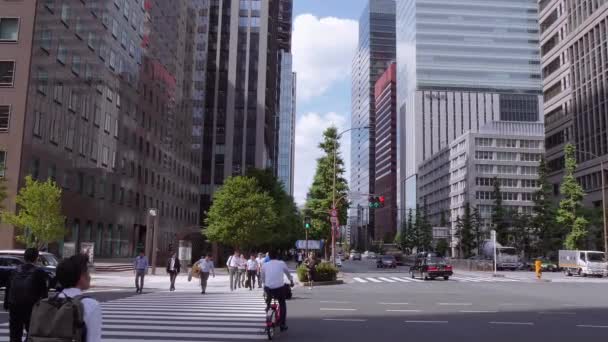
[583, 263]
[506, 257]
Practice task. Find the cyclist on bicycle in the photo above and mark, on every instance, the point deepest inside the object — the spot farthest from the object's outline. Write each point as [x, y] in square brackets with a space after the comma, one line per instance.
[274, 285]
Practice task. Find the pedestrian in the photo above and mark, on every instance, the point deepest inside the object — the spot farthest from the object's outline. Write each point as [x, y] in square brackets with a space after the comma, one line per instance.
[141, 268]
[59, 318]
[260, 261]
[311, 267]
[242, 270]
[206, 267]
[173, 268]
[233, 269]
[273, 273]
[26, 286]
[300, 258]
[252, 271]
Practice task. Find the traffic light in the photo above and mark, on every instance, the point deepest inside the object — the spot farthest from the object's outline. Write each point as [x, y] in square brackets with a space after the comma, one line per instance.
[376, 202]
[307, 224]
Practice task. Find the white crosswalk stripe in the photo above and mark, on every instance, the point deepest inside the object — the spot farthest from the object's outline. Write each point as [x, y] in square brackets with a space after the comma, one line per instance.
[182, 316]
[461, 279]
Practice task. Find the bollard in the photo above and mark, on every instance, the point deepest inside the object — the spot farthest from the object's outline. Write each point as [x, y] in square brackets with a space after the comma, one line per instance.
[538, 269]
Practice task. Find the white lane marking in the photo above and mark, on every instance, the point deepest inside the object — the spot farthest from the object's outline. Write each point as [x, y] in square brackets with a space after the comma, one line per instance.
[259, 309]
[383, 303]
[190, 317]
[556, 313]
[455, 304]
[186, 329]
[173, 322]
[333, 301]
[514, 304]
[428, 322]
[387, 280]
[416, 280]
[478, 311]
[512, 323]
[337, 309]
[177, 335]
[373, 280]
[398, 310]
[592, 326]
[403, 280]
[163, 313]
[345, 319]
[357, 279]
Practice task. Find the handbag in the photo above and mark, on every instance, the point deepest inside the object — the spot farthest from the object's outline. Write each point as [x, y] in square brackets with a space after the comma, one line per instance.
[189, 275]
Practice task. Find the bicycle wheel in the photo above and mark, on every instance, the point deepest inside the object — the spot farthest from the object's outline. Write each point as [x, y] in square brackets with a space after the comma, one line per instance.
[270, 326]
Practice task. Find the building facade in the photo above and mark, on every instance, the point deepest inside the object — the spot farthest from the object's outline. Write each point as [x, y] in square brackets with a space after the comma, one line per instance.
[95, 106]
[375, 51]
[287, 123]
[508, 152]
[385, 162]
[575, 71]
[245, 41]
[461, 65]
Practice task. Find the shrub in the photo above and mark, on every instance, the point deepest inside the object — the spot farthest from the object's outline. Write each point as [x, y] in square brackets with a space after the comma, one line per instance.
[325, 271]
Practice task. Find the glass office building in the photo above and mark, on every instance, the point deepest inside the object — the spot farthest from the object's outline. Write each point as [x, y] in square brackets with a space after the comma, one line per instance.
[461, 64]
[375, 51]
[287, 123]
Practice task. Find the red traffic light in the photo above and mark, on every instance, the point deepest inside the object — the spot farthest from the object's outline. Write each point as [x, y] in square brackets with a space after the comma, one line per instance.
[381, 199]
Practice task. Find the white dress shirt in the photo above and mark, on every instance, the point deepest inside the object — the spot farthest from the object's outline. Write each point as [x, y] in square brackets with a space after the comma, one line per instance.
[252, 265]
[234, 261]
[92, 314]
[272, 274]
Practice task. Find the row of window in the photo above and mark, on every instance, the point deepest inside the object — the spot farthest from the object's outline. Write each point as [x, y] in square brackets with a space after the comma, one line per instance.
[512, 143]
[507, 156]
[506, 196]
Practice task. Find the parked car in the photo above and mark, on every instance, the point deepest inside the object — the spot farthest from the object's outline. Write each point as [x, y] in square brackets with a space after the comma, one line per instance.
[355, 256]
[369, 255]
[386, 261]
[7, 265]
[47, 261]
[430, 266]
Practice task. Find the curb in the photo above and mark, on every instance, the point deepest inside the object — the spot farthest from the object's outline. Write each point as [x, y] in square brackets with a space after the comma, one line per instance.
[323, 283]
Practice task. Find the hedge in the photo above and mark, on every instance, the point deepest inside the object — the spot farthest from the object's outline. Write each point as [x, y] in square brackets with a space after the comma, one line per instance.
[325, 271]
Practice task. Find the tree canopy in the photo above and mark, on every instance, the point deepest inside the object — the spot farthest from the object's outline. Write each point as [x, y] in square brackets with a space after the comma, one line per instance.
[39, 219]
[569, 214]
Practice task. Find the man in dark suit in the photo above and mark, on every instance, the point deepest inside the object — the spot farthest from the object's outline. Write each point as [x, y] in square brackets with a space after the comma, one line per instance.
[173, 268]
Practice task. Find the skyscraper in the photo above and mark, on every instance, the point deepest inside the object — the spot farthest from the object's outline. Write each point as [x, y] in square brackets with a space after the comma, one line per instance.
[286, 123]
[375, 51]
[461, 65]
[245, 41]
[92, 96]
[575, 71]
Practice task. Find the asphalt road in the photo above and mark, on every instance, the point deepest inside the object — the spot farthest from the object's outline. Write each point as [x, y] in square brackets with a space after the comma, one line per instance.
[458, 311]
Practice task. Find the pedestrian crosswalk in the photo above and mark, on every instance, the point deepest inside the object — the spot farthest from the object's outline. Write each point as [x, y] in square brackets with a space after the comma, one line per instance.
[181, 316]
[404, 279]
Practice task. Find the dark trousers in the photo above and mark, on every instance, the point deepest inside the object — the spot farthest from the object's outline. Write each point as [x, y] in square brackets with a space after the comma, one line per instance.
[279, 295]
[19, 318]
[204, 278]
[139, 279]
[251, 278]
[172, 276]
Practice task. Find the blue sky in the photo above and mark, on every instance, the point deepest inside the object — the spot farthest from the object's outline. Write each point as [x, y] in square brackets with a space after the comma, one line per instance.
[324, 42]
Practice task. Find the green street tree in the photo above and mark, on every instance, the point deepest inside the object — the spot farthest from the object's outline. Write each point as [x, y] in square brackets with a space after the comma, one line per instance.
[550, 235]
[410, 237]
[3, 193]
[522, 233]
[425, 230]
[442, 247]
[242, 214]
[499, 215]
[477, 230]
[319, 197]
[289, 226]
[569, 214]
[39, 220]
[467, 237]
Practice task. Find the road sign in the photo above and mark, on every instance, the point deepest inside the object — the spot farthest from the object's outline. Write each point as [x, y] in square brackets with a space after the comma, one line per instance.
[334, 221]
[312, 244]
[334, 213]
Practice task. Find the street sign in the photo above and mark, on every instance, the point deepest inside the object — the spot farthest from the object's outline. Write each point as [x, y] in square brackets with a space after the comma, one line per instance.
[334, 213]
[312, 244]
[334, 221]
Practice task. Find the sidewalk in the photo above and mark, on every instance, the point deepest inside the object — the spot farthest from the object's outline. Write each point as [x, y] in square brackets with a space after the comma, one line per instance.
[160, 281]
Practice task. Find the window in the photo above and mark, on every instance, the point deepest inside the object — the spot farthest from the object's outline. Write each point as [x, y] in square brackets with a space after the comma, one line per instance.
[91, 40]
[530, 144]
[96, 114]
[65, 14]
[58, 93]
[506, 143]
[43, 79]
[45, 40]
[74, 104]
[80, 183]
[509, 156]
[108, 123]
[485, 142]
[2, 163]
[7, 73]
[484, 155]
[62, 53]
[485, 168]
[38, 116]
[112, 60]
[114, 28]
[76, 64]
[35, 168]
[9, 29]
[531, 157]
[527, 196]
[105, 155]
[507, 169]
[5, 118]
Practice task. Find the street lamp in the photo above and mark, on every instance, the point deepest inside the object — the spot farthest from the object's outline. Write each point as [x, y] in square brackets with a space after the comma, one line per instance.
[333, 201]
[152, 216]
[603, 199]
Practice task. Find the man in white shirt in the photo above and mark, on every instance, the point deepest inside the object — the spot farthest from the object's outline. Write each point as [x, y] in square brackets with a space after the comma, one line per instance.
[233, 269]
[206, 267]
[260, 260]
[273, 273]
[252, 271]
[73, 275]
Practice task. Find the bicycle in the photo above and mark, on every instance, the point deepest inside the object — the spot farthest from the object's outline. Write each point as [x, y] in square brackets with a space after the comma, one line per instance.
[273, 317]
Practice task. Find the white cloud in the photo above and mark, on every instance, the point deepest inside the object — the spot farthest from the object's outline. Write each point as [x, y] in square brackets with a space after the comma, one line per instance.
[323, 50]
[309, 131]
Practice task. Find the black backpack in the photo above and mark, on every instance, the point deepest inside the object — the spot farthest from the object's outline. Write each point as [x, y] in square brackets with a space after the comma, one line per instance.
[23, 288]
